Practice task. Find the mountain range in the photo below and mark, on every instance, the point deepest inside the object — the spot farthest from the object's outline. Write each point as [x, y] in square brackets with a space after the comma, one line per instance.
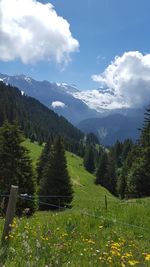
[75, 105]
[56, 96]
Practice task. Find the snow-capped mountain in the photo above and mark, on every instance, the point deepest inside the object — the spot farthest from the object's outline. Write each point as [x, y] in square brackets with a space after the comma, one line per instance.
[57, 96]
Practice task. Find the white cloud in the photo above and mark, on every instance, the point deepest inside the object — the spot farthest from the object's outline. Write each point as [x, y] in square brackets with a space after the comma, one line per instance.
[58, 104]
[128, 79]
[32, 31]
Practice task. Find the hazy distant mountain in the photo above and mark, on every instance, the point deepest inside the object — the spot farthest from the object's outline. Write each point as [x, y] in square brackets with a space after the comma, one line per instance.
[57, 96]
[113, 127]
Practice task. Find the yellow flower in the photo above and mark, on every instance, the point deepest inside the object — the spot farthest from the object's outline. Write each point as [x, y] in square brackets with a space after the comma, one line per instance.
[64, 234]
[91, 241]
[115, 253]
[147, 257]
[127, 255]
[109, 259]
[133, 262]
[115, 245]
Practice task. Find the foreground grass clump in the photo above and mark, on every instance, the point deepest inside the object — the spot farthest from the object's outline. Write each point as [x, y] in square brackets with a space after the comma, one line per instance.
[87, 234]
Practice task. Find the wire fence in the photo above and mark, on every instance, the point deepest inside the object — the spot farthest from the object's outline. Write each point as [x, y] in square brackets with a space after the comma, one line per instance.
[82, 212]
[114, 220]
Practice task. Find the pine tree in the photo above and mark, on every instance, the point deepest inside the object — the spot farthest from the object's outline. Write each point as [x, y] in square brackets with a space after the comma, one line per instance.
[132, 155]
[101, 173]
[127, 146]
[111, 174]
[138, 179]
[91, 139]
[16, 167]
[43, 160]
[117, 153]
[56, 180]
[88, 160]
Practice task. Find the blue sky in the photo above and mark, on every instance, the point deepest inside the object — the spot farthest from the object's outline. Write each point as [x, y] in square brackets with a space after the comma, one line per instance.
[104, 29]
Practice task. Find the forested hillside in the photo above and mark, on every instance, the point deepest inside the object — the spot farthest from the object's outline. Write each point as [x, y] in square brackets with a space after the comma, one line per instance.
[36, 120]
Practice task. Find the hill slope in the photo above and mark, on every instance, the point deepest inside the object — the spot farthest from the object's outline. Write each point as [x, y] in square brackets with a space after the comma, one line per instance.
[87, 235]
[36, 120]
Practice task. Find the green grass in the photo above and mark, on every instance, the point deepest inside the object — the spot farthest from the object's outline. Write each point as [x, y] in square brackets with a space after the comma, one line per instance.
[34, 150]
[87, 234]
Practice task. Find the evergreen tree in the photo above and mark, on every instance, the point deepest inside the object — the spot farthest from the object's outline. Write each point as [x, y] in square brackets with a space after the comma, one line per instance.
[127, 146]
[16, 167]
[91, 139]
[135, 175]
[117, 151]
[123, 172]
[43, 160]
[101, 173]
[111, 174]
[138, 180]
[56, 180]
[88, 160]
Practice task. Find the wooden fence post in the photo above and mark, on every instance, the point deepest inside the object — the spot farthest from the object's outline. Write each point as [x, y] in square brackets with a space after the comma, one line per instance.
[105, 202]
[10, 213]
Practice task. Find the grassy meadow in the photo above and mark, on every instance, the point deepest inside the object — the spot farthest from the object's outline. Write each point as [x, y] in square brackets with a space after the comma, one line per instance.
[86, 235]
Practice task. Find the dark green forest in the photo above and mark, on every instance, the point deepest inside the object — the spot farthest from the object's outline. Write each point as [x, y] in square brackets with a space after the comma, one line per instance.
[37, 121]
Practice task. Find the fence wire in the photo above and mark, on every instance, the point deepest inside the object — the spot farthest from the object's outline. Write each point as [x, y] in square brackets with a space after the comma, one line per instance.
[82, 212]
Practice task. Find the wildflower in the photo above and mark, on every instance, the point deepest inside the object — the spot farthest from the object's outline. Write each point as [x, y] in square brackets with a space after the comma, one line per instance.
[109, 259]
[127, 255]
[116, 245]
[147, 256]
[101, 259]
[38, 245]
[91, 241]
[115, 253]
[133, 262]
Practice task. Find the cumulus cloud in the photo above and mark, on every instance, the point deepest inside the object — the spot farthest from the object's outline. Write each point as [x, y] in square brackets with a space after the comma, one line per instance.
[32, 31]
[58, 104]
[125, 82]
